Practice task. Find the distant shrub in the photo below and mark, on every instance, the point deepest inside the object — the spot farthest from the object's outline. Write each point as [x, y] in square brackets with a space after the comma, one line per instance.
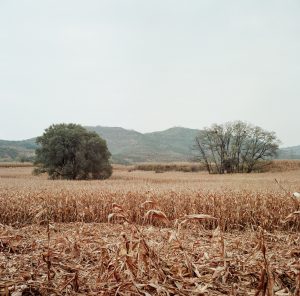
[168, 167]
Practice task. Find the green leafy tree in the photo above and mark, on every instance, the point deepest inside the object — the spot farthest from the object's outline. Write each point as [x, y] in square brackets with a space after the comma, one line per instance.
[69, 151]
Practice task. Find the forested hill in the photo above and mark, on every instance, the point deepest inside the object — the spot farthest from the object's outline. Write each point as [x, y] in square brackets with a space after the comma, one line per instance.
[128, 146]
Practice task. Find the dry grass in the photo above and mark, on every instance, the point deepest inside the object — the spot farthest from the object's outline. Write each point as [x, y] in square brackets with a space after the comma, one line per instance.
[169, 234]
[15, 164]
[237, 201]
[266, 166]
[168, 167]
[284, 165]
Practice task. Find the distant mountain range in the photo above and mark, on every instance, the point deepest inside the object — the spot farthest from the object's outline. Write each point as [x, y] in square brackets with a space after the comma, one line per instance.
[289, 153]
[17, 150]
[129, 146]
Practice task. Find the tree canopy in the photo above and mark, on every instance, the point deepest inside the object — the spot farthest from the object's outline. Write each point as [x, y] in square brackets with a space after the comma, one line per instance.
[69, 151]
[235, 147]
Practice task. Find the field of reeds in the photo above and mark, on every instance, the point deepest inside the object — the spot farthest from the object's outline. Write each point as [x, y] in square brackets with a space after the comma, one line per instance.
[142, 233]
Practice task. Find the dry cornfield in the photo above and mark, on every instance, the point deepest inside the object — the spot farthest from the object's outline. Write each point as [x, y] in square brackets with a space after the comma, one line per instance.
[142, 233]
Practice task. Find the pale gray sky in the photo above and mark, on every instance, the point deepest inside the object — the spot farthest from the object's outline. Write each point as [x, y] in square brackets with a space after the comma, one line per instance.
[149, 65]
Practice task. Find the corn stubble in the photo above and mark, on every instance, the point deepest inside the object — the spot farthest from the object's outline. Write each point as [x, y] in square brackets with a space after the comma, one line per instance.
[150, 234]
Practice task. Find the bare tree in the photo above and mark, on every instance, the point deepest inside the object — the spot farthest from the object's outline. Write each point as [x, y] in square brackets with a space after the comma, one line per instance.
[235, 147]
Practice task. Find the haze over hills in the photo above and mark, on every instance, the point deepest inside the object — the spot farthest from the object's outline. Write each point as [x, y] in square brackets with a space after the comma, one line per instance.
[289, 153]
[129, 146]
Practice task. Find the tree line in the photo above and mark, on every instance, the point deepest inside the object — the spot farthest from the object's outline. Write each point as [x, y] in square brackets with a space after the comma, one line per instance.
[69, 151]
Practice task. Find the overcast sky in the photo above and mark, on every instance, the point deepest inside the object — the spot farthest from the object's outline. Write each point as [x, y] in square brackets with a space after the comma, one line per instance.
[149, 65]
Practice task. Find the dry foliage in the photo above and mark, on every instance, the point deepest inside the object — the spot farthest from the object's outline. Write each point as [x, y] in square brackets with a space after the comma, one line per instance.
[264, 166]
[15, 164]
[236, 201]
[150, 234]
[167, 167]
[283, 165]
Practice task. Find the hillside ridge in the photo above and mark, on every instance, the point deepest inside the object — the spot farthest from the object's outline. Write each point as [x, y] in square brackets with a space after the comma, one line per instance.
[130, 146]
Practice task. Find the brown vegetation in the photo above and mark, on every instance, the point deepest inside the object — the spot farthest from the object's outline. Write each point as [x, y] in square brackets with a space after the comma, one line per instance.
[283, 165]
[237, 201]
[169, 167]
[168, 234]
[263, 167]
[15, 164]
